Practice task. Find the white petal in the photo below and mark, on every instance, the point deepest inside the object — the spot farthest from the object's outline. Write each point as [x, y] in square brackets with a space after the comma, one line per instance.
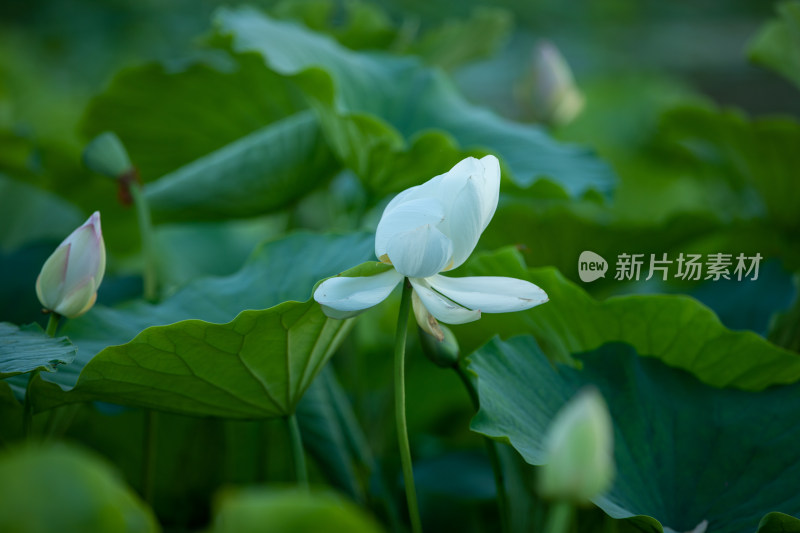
[473, 189]
[87, 255]
[425, 319]
[464, 223]
[490, 294]
[356, 294]
[456, 177]
[412, 193]
[430, 189]
[330, 312]
[101, 245]
[489, 188]
[78, 300]
[83, 259]
[421, 252]
[404, 217]
[441, 187]
[93, 223]
[459, 203]
[50, 283]
[440, 307]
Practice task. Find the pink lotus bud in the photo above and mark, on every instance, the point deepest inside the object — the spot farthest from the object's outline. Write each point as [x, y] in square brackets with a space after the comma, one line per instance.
[69, 279]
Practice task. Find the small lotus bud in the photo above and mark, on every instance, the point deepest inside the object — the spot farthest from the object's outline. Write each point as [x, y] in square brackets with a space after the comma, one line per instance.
[443, 353]
[426, 321]
[69, 279]
[552, 93]
[579, 449]
[106, 155]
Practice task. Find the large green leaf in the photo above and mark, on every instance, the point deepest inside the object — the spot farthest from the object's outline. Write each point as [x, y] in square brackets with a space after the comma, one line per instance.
[190, 250]
[239, 141]
[779, 523]
[256, 366]
[454, 44]
[685, 452]
[28, 348]
[678, 330]
[259, 173]
[621, 121]
[755, 155]
[361, 25]
[168, 117]
[777, 46]
[273, 275]
[396, 122]
[357, 24]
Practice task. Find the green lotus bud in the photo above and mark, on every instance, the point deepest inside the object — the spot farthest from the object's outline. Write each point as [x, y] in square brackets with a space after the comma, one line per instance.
[106, 155]
[70, 277]
[58, 488]
[286, 510]
[579, 450]
[552, 93]
[443, 353]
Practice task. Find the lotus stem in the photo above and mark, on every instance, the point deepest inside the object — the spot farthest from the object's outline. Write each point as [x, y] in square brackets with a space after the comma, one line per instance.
[52, 324]
[148, 242]
[559, 519]
[298, 453]
[400, 408]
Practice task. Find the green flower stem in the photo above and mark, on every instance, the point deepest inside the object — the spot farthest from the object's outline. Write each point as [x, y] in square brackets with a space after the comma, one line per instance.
[298, 454]
[59, 420]
[559, 518]
[491, 450]
[148, 242]
[149, 447]
[52, 324]
[27, 412]
[400, 407]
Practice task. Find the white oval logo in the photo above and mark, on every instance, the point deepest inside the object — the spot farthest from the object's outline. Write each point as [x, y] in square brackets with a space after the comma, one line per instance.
[591, 266]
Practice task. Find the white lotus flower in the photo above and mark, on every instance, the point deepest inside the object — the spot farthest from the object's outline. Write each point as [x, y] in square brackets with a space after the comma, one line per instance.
[69, 279]
[428, 229]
